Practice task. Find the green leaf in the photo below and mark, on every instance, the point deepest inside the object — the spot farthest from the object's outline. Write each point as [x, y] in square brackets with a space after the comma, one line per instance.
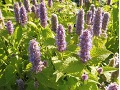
[32, 24]
[58, 75]
[109, 69]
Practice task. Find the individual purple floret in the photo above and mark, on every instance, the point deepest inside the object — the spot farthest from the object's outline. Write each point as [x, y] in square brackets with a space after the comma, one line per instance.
[27, 5]
[50, 3]
[112, 86]
[85, 45]
[20, 84]
[35, 56]
[17, 12]
[10, 27]
[54, 22]
[89, 17]
[70, 28]
[105, 21]
[34, 2]
[43, 14]
[84, 77]
[80, 22]
[60, 38]
[100, 70]
[97, 24]
[23, 16]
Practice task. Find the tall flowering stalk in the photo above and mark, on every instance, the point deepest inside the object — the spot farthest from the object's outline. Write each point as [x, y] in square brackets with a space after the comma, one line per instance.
[89, 17]
[105, 21]
[80, 22]
[10, 27]
[60, 38]
[23, 16]
[50, 3]
[97, 25]
[43, 14]
[35, 56]
[54, 22]
[85, 45]
[17, 12]
[27, 5]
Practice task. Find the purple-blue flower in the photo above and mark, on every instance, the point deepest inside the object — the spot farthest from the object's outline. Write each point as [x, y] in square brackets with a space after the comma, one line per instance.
[50, 3]
[27, 5]
[112, 86]
[84, 77]
[60, 38]
[85, 45]
[10, 27]
[17, 12]
[43, 14]
[80, 22]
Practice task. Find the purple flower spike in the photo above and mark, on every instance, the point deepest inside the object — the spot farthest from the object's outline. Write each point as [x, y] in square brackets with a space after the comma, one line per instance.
[23, 16]
[20, 84]
[17, 12]
[27, 5]
[33, 8]
[105, 21]
[85, 45]
[97, 24]
[84, 77]
[10, 27]
[80, 22]
[50, 3]
[93, 9]
[60, 38]
[35, 56]
[112, 86]
[54, 22]
[100, 70]
[43, 14]
[89, 17]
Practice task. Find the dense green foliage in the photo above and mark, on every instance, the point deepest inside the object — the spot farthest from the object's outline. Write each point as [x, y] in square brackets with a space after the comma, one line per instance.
[64, 69]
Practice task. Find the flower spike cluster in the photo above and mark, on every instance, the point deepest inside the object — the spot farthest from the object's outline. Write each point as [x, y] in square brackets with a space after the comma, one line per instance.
[27, 5]
[54, 22]
[60, 38]
[10, 27]
[23, 16]
[50, 3]
[17, 12]
[35, 55]
[43, 14]
[97, 25]
[85, 45]
[80, 22]
[112, 86]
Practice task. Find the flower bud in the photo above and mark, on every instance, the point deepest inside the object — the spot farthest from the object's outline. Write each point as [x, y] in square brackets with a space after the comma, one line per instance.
[105, 21]
[54, 22]
[50, 3]
[97, 25]
[23, 16]
[80, 22]
[84, 77]
[85, 45]
[27, 5]
[17, 12]
[10, 27]
[43, 14]
[70, 29]
[20, 84]
[100, 70]
[60, 38]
